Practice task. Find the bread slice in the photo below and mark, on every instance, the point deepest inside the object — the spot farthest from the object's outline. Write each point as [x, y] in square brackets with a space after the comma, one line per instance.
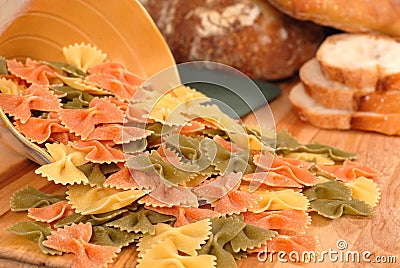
[332, 94]
[359, 60]
[309, 110]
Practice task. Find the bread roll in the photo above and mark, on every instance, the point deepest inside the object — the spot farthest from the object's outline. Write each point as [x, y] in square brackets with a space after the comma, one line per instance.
[249, 35]
[349, 15]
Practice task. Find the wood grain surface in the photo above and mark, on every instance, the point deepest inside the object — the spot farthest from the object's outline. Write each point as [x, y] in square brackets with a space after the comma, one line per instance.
[379, 234]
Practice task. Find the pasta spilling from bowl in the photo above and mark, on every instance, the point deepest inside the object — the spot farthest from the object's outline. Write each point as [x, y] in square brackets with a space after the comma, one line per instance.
[166, 174]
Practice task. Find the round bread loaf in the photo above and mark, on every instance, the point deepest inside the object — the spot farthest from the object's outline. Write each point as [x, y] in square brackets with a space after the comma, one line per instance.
[352, 16]
[249, 35]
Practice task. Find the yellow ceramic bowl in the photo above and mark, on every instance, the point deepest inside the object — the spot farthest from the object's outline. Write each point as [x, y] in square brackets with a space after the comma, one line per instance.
[40, 28]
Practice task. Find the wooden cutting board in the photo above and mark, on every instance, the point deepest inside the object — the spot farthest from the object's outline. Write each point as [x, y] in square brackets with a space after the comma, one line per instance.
[380, 234]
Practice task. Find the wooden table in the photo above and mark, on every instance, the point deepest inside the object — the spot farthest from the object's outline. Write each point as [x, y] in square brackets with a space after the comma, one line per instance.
[379, 234]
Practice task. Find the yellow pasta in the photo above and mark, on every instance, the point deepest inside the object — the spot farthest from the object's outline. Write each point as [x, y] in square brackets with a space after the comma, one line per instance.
[186, 94]
[95, 200]
[321, 159]
[10, 87]
[187, 238]
[365, 190]
[83, 85]
[83, 55]
[64, 168]
[280, 200]
[165, 254]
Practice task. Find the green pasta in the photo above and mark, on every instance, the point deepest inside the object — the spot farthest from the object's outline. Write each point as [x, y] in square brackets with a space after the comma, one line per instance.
[333, 190]
[232, 234]
[94, 220]
[108, 236]
[334, 209]
[70, 69]
[29, 197]
[286, 143]
[141, 221]
[34, 231]
[333, 199]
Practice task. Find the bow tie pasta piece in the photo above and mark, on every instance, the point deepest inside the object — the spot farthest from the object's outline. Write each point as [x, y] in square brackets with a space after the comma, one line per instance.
[166, 254]
[29, 197]
[279, 200]
[286, 143]
[121, 180]
[83, 85]
[93, 219]
[83, 56]
[83, 121]
[191, 128]
[116, 79]
[93, 200]
[185, 215]
[321, 159]
[75, 239]
[67, 68]
[34, 231]
[333, 199]
[348, 171]
[98, 152]
[168, 196]
[64, 168]
[219, 187]
[288, 220]
[52, 212]
[118, 134]
[72, 98]
[334, 209]
[235, 202]
[271, 179]
[107, 236]
[297, 171]
[230, 237]
[333, 190]
[187, 239]
[141, 221]
[33, 72]
[365, 190]
[8, 86]
[40, 129]
[36, 98]
[155, 164]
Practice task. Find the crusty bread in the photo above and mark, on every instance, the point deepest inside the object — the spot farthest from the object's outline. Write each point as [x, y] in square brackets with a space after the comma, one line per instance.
[333, 94]
[250, 35]
[351, 16]
[309, 110]
[359, 60]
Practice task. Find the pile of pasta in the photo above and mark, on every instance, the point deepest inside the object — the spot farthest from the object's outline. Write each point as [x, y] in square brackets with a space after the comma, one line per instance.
[167, 172]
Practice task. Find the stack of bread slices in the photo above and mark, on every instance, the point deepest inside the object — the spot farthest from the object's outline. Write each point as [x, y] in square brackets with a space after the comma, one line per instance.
[352, 83]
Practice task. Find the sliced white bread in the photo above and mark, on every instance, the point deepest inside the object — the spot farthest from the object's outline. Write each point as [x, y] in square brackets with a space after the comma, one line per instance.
[309, 110]
[359, 60]
[332, 94]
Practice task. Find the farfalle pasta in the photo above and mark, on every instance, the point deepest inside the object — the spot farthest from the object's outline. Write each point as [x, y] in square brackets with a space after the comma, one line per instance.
[75, 239]
[33, 71]
[36, 97]
[93, 200]
[165, 170]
